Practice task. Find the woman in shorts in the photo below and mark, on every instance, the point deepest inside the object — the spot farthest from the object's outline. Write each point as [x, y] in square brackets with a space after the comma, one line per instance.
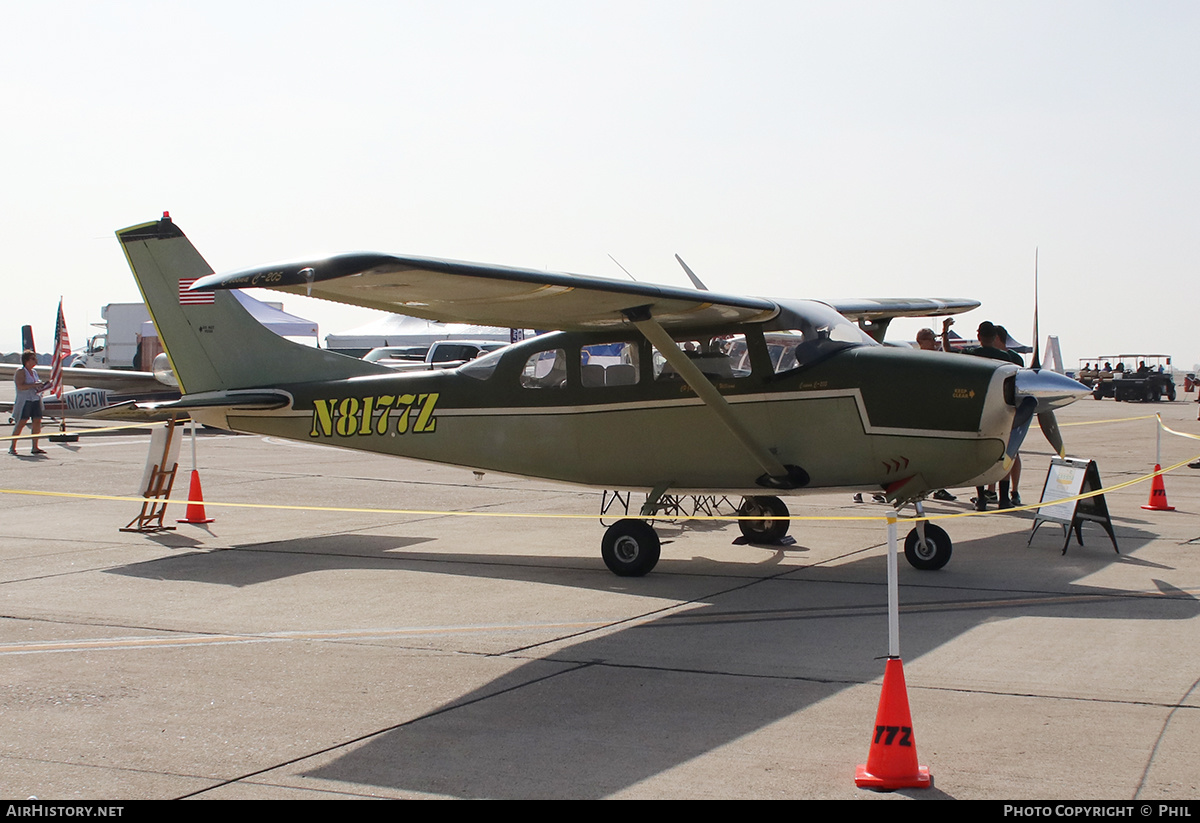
[28, 404]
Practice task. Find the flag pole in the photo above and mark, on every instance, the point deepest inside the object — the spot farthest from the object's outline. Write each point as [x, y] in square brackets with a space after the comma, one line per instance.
[62, 351]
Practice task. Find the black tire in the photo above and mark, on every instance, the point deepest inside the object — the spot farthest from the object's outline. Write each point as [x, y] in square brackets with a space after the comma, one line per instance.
[763, 531]
[934, 554]
[1171, 392]
[630, 548]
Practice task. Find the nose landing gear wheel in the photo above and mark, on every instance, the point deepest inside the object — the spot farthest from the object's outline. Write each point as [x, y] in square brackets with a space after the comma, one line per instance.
[930, 555]
[763, 531]
[630, 548]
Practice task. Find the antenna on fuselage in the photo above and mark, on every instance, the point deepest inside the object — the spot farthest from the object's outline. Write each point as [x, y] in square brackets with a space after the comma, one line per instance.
[691, 275]
[618, 262]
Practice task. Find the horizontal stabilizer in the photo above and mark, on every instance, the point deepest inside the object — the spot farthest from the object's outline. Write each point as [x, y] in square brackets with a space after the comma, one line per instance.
[134, 412]
[246, 401]
[154, 411]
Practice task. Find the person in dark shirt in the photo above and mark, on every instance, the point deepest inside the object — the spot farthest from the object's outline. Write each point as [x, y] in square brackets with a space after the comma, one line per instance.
[1014, 476]
[1002, 344]
[988, 344]
[992, 346]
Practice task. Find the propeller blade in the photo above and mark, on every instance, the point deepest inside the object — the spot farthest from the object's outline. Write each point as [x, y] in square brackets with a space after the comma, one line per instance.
[1020, 426]
[1050, 428]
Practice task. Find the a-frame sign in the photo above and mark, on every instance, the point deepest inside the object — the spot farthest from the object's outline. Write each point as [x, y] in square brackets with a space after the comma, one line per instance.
[1067, 478]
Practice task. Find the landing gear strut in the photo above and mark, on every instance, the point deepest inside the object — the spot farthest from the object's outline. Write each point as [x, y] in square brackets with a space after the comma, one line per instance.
[927, 547]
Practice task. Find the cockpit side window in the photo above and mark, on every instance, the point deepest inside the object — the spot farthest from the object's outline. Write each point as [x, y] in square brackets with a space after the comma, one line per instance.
[718, 357]
[795, 348]
[785, 349]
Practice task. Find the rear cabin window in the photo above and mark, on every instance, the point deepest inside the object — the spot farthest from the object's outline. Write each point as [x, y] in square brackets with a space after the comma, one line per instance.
[608, 364]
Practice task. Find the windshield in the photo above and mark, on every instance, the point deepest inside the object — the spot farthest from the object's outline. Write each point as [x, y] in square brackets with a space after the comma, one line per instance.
[481, 367]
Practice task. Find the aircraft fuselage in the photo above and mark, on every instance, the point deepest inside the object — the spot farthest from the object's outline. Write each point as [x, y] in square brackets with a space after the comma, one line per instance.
[864, 416]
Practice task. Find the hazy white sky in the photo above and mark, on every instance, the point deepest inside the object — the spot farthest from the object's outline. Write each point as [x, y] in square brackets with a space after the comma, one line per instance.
[790, 149]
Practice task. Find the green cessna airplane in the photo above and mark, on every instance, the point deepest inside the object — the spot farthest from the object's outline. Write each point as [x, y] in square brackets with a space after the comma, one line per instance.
[644, 387]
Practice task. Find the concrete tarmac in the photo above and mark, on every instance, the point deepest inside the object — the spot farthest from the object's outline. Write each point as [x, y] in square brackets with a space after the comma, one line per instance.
[296, 654]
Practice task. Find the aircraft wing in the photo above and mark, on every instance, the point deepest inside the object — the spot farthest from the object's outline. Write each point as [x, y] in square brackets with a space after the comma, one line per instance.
[451, 291]
[862, 309]
[116, 380]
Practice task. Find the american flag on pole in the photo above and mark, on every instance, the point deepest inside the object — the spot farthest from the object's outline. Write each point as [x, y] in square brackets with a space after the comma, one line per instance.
[194, 298]
[62, 350]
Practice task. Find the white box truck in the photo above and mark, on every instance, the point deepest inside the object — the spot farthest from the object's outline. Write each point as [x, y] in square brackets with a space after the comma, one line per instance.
[117, 346]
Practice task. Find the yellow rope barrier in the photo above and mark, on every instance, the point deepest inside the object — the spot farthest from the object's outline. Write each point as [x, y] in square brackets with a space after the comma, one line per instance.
[1109, 420]
[530, 515]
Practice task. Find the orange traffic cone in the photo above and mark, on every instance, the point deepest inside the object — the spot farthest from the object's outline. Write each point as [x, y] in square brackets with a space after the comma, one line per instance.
[195, 509]
[1158, 493]
[892, 760]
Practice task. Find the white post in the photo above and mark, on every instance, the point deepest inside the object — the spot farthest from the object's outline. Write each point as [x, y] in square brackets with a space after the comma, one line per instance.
[1157, 439]
[893, 590]
[193, 422]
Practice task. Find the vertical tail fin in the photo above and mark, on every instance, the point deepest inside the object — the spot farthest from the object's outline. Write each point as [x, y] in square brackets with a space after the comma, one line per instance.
[213, 342]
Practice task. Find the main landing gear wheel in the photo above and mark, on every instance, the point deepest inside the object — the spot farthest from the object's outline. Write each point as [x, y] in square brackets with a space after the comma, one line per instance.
[933, 553]
[630, 548]
[763, 531]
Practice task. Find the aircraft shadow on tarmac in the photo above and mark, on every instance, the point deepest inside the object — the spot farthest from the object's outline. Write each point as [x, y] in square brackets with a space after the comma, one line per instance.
[251, 563]
[606, 713]
[254, 563]
[602, 714]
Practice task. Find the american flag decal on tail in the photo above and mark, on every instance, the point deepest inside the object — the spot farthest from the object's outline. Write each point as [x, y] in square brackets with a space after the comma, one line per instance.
[194, 298]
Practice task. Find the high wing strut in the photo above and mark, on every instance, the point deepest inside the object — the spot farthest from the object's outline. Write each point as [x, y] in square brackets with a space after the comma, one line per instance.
[777, 476]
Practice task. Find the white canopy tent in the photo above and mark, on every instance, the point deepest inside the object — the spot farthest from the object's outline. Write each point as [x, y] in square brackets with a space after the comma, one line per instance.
[275, 319]
[401, 330]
